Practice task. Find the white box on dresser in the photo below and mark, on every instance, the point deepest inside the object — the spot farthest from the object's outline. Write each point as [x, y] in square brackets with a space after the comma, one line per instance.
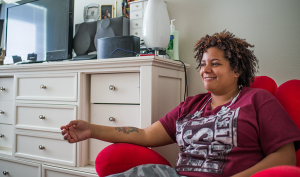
[134, 91]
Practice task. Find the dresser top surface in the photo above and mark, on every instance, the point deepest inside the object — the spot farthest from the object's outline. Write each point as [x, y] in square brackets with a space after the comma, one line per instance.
[82, 65]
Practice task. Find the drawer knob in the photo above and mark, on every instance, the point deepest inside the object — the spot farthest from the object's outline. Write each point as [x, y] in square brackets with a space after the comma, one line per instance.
[112, 88]
[41, 147]
[111, 119]
[42, 117]
[137, 6]
[43, 86]
[137, 15]
[1, 136]
[136, 24]
[5, 172]
[2, 89]
[136, 33]
[1, 112]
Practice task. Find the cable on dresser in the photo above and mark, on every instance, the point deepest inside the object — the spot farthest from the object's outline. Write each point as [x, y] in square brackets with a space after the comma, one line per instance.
[186, 85]
[123, 50]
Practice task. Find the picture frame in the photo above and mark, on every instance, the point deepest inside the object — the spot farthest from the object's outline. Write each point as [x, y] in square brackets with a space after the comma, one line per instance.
[91, 12]
[107, 11]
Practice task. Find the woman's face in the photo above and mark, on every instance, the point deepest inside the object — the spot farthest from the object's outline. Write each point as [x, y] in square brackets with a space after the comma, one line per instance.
[217, 75]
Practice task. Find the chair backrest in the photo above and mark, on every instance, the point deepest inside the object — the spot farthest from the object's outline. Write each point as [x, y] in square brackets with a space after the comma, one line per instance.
[264, 82]
[288, 94]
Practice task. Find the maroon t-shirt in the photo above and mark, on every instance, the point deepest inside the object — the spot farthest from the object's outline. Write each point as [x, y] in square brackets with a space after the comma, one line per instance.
[222, 145]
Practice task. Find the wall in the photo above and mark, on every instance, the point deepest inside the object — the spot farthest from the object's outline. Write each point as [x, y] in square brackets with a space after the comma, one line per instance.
[271, 25]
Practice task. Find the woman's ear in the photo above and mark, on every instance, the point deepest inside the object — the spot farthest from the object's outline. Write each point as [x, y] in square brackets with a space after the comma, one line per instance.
[237, 73]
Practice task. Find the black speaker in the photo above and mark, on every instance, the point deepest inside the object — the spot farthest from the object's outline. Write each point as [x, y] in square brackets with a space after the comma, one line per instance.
[110, 27]
[118, 46]
[84, 38]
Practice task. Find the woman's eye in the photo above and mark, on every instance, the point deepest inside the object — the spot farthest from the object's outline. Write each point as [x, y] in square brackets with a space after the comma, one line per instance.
[215, 64]
[202, 64]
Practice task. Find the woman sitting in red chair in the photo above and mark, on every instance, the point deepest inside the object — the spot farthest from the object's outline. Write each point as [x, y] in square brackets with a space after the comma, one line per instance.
[233, 130]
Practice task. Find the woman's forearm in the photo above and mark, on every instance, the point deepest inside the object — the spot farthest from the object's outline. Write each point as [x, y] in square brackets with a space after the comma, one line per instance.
[152, 136]
[117, 134]
[285, 155]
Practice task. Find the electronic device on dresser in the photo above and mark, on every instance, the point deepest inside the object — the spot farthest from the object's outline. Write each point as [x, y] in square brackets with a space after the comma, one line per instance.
[84, 40]
[118, 46]
[41, 27]
[87, 35]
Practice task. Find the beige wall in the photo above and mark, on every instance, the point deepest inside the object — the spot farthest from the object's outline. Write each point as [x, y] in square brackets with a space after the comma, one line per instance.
[273, 26]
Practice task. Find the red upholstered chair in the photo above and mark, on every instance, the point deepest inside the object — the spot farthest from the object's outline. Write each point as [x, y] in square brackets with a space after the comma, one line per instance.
[280, 171]
[120, 157]
[288, 94]
[264, 82]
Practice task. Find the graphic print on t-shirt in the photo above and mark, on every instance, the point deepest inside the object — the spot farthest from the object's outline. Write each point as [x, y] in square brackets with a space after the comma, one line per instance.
[205, 142]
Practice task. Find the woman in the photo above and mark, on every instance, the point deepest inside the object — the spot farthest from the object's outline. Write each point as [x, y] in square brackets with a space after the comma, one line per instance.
[231, 131]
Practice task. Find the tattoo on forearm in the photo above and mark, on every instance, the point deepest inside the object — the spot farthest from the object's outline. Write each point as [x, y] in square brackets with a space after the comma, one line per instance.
[127, 130]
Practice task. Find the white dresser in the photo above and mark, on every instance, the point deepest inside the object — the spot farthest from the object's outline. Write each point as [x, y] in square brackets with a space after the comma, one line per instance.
[36, 99]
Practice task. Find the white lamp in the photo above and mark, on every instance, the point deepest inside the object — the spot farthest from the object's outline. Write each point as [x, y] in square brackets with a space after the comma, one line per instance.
[156, 25]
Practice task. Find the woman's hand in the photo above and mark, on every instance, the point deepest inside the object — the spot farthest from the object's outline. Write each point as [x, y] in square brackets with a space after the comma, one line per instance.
[76, 130]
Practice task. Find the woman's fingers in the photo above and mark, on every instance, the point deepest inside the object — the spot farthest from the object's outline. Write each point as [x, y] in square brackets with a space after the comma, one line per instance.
[66, 136]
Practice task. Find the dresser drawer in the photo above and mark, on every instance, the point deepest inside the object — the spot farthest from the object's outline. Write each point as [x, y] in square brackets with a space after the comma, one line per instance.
[122, 116]
[136, 14]
[6, 135]
[115, 88]
[137, 23]
[6, 112]
[137, 32]
[50, 171]
[6, 88]
[136, 6]
[16, 168]
[44, 117]
[49, 148]
[60, 87]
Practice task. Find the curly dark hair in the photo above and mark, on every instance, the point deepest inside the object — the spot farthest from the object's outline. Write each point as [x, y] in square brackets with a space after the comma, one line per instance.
[236, 52]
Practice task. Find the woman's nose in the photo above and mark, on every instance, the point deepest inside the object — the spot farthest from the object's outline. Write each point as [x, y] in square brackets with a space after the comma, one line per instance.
[206, 68]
